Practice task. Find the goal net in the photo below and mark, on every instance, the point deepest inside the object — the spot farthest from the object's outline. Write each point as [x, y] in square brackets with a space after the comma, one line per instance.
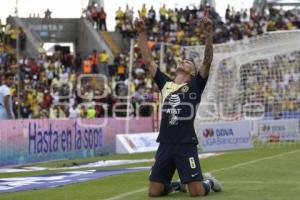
[255, 80]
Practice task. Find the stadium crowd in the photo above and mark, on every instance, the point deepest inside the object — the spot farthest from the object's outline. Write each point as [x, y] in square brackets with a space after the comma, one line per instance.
[182, 26]
[49, 84]
[274, 84]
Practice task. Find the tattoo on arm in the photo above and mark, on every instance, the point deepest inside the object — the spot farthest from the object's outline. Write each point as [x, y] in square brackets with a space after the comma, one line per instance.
[208, 55]
[146, 53]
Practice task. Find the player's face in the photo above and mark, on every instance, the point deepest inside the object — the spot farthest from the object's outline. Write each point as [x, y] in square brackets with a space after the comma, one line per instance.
[186, 66]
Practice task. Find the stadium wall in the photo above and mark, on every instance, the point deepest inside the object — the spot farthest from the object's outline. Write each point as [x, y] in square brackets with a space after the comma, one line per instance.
[27, 141]
[89, 39]
[59, 30]
[32, 39]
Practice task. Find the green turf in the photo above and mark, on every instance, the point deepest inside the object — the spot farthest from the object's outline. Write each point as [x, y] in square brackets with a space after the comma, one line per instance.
[247, 175]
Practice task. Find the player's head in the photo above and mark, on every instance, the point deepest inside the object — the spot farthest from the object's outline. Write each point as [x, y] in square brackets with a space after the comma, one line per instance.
[8, 79]
[187, 66]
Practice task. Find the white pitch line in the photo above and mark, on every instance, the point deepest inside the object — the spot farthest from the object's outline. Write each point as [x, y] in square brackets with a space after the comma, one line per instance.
[121, 196]
[127, 194]
[261, 182]
[254, 161]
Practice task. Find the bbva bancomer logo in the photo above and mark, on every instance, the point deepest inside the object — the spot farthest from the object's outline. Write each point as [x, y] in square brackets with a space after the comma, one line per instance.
[266, 127]
[209, 132]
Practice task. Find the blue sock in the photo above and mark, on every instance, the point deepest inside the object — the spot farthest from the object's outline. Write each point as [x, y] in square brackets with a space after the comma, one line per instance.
[176, 185]
[207, 186]
[168, 188]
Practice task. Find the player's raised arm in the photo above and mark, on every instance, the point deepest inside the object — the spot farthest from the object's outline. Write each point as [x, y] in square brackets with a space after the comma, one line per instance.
[208, 52]
[145, 50]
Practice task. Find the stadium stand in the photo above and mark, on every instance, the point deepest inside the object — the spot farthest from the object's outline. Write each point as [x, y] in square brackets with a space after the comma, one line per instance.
[47, 78]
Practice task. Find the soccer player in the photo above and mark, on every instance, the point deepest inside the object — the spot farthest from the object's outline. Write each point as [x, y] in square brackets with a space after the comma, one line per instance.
[177, 138]
[6, 107]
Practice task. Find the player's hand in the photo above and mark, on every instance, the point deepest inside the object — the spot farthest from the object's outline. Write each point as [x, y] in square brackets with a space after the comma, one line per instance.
[206, 21]
[139, 25]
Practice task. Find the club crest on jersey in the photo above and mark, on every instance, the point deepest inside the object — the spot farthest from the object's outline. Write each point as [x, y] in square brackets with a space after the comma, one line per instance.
[174, 101]
[185, 88]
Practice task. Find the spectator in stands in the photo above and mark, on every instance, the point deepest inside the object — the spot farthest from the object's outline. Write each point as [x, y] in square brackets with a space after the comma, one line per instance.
[95, 61]
[53, 114]
[104, 58]
[120, 17]
[151, 16]
[120, 14]
[163, 13]
[13, 36]
[22, 39]
[94, 15]
[6, 102]
[129, 13]
[7, 33]
[25, 110]
[121, 69]
[120, 66]
[102, 19]
[77, 63]
[88, 13]
[1, 32]
[62, 112]
[74, 111]
[91, 112]
[227, 14]
[47, 14]
[143, 12]
[87, 65]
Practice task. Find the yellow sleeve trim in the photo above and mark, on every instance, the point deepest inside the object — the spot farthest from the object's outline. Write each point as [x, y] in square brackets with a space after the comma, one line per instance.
[169, 88]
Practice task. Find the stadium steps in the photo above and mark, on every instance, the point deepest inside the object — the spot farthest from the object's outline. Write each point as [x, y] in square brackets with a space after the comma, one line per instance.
[117, 38]
[112, 41]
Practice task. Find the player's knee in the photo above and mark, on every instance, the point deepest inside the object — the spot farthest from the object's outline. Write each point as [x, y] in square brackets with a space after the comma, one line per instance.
[196, 191]
[155, 189]
[154, 193]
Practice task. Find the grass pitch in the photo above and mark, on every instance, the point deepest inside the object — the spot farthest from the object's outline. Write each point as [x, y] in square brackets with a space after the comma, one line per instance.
[265, 173]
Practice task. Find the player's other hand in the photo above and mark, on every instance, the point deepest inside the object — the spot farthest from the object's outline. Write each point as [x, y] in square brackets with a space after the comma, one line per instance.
[206, 21]
[139, 25]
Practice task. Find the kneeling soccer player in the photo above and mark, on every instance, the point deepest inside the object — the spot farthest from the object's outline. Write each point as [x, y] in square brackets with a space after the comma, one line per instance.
[177, 137]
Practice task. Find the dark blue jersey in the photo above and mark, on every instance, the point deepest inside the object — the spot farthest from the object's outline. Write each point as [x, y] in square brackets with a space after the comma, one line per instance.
[179, 108]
